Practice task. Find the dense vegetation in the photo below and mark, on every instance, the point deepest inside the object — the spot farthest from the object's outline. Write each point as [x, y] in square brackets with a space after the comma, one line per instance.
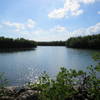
[9, 43]
[53, 43]
[90, 42]
[70, 84]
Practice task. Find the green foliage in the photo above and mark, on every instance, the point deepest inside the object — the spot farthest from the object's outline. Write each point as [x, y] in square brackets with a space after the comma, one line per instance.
[96, 56]
[69, 84]
[91, 42]
[9, 43]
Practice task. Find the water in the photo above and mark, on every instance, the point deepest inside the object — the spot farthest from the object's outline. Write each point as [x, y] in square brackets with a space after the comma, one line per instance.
[24, 66]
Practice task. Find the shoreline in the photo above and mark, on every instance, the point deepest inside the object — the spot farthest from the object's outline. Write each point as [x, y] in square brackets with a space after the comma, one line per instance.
[18, 93]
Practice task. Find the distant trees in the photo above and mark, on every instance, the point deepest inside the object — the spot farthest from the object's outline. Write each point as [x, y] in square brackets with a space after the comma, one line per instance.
[9, 43]
[52, 43]
[91, 42]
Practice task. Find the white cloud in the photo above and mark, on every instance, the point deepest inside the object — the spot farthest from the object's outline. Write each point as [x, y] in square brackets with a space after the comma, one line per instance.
[19, 26]
[62, 33]
[57, 13]
[77, 12]
[95, 29]
[55, 33]
[52, 31]
[70, 8]
[87, 1]
[98, 12]
[31, 23]
[16, 25]
[71, 5]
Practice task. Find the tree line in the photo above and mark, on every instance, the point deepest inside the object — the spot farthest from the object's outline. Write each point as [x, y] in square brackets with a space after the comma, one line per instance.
[9, 43]
[90, 42]
[52, 43]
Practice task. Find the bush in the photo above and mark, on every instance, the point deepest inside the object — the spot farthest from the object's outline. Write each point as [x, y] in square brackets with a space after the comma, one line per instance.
[70, 84]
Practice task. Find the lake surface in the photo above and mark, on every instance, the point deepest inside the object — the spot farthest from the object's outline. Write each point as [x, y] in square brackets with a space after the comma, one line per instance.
[21, 67]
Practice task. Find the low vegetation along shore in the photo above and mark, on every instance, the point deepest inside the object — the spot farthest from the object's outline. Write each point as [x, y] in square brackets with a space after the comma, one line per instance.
[69, 84]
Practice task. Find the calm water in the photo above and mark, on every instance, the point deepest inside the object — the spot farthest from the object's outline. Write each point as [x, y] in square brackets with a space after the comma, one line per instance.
[21, 67]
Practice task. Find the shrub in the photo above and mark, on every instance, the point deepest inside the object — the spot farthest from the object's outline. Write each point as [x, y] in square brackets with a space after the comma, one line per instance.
[70, 84]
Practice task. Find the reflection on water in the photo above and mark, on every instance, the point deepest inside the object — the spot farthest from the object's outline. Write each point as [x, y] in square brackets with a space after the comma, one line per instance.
[22, 67]
[14, 50]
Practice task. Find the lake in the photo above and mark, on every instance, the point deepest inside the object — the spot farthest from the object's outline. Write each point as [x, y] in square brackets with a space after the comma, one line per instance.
[23, 66]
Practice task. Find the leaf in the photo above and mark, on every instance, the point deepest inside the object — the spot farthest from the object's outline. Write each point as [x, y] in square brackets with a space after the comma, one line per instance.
[97, 68]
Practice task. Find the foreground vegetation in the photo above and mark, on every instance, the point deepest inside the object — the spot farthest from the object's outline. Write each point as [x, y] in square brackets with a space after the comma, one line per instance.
[9, 43]
[89, 42]
[69, 84]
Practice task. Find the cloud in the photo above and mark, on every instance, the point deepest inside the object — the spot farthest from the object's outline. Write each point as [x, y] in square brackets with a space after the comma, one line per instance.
[57, 13]
[16, 25]
[31, 23]
[57, 32]
[77, 12]
[70, 8]
[95, 29]
[88, 1]
[62, 33]
[20, 26]
[52, 31]
[98, 12]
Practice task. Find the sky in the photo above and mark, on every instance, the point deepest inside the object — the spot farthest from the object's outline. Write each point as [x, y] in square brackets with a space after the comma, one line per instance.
[49, 20]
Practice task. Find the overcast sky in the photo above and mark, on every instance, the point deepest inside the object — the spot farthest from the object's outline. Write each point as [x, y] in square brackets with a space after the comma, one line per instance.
[47, 20]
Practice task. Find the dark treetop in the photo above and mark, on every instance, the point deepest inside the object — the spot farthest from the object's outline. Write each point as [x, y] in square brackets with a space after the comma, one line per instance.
[9, 43]
[89, 42]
